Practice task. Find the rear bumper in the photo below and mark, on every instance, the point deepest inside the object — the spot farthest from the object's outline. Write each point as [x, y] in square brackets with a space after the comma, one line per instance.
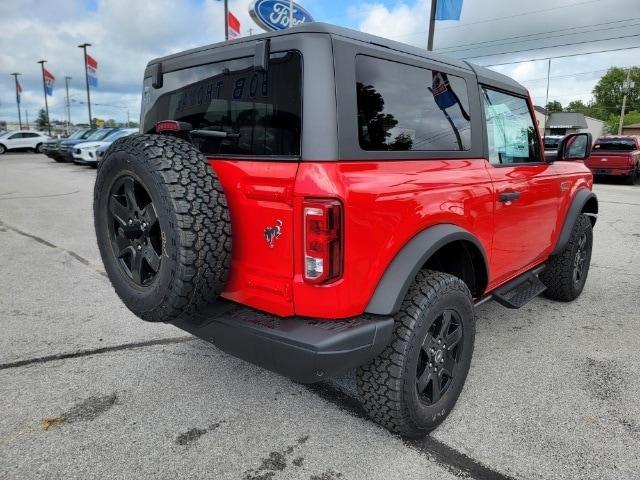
[622, 171]
[303, 349]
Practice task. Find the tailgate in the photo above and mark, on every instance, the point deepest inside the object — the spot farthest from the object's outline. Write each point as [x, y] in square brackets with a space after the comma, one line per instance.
[260, 197]
[608, 160]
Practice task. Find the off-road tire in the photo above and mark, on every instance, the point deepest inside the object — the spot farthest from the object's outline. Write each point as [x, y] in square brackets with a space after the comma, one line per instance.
[193, 218]
[388, 384]
[558, 275]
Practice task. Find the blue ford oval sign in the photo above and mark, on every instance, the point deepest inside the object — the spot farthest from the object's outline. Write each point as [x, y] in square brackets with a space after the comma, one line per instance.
[274, 14]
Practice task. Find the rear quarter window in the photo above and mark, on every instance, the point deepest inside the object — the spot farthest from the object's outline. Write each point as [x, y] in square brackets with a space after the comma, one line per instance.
[404, 107]
[261, 109]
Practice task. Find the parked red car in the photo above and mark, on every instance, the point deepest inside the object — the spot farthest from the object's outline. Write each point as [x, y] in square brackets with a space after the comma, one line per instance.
[319, 199]
[616, 156]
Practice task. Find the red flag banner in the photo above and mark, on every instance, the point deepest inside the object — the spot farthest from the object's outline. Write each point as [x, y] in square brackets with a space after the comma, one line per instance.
[234, 26]
[49, 79]
[92, 70]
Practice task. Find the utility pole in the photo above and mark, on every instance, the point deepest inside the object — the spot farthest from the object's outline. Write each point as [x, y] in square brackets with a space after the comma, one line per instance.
[626, 86]
[68, 105]
[15, 76]
[44, 89]
[226, 20]
[432, 24]
[27, 112]
[546, 102]
[86, 77]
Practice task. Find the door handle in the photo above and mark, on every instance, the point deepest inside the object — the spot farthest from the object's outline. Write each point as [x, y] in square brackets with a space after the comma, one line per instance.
[507, 197]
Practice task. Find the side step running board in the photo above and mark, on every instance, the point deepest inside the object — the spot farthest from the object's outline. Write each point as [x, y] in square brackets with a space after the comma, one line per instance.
[520, 290]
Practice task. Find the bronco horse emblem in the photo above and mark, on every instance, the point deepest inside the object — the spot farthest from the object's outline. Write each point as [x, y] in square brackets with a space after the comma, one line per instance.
[271, 234]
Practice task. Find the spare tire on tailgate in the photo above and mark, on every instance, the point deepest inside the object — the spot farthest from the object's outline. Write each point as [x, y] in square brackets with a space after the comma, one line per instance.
[163, 226]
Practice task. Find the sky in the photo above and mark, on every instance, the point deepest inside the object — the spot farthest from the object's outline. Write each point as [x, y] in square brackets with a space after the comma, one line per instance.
[126, 34]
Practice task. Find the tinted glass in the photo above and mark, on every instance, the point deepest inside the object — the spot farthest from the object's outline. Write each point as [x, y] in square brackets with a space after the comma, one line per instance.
[99, 134]
[402, 107]
[262, 110]
[511, 133]
[552, 142]
[77, 134]
[620, 144]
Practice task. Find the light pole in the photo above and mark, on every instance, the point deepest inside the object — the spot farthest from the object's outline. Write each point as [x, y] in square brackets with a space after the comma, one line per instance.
[86, 77]
[627, 85]
[44, 89]
[68, 105]
[15, 76]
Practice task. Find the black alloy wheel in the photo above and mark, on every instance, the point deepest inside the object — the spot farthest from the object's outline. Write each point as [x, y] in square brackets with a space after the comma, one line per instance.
[580, 260]
[439, 356]
[135, 234]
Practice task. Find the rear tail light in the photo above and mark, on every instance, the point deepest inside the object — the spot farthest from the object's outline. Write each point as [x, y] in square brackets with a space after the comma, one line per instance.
[166, 126]
[322, 240]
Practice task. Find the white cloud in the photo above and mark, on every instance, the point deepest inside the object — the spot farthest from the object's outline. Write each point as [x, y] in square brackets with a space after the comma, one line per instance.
[571, 78]
[124, 36]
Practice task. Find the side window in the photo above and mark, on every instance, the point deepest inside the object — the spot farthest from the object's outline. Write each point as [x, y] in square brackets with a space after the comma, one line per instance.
[30, 135]
[510, 129]
[15, 136]
[261, 111]
[402, 107]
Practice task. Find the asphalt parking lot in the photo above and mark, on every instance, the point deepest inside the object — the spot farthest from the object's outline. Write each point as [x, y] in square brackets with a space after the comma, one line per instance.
[89, 391]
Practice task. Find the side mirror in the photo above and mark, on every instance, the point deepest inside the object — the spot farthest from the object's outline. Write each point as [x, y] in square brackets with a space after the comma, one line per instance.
[576, 146]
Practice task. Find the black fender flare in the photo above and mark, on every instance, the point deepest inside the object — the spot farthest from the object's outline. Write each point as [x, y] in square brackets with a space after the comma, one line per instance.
[401, 272]
[578, 203]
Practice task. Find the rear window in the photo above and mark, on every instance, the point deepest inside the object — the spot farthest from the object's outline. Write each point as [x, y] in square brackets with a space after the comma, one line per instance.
[402, 107]
[550, 142]
[262, 110]
[620, 144]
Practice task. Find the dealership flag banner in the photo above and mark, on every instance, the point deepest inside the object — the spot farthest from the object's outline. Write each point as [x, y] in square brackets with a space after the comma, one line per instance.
[18, 91]
[234, 26]
[49, 80]
[448, 9]
[92, 71]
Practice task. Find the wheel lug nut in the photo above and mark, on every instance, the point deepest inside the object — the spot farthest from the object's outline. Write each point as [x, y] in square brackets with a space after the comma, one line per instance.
[139, 247]
[130, 221]
[430, 364]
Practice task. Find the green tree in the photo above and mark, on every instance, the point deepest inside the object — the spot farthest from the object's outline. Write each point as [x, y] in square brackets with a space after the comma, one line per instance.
[608, 91]
[554, 106]
[613, 121]
[42, 121]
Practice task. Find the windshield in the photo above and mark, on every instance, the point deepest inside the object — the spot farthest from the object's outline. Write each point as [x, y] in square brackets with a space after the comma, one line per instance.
[112, 135]
[120, 134]
[99, 134]
[616, 144]
[77, 134]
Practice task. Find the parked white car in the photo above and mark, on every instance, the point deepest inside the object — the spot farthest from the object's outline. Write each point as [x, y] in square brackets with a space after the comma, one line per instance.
[22, 139]
[86, 153]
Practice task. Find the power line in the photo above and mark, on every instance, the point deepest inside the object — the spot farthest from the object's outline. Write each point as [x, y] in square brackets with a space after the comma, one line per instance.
[449, 48]
[533, 12]
[561, 56]
[554, 46]
[538, 39]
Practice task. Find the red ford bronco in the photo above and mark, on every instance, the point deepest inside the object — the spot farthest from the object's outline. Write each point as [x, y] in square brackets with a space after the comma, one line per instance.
[319, 199]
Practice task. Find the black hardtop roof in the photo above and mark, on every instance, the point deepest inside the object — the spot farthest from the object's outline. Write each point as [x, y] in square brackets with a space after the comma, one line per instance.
[484, 74]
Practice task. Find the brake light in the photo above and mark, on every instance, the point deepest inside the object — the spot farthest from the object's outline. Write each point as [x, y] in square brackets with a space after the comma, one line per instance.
[322, 240]
[165, 126]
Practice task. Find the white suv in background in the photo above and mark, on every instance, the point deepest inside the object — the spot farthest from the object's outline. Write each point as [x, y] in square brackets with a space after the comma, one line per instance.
[22, 139]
